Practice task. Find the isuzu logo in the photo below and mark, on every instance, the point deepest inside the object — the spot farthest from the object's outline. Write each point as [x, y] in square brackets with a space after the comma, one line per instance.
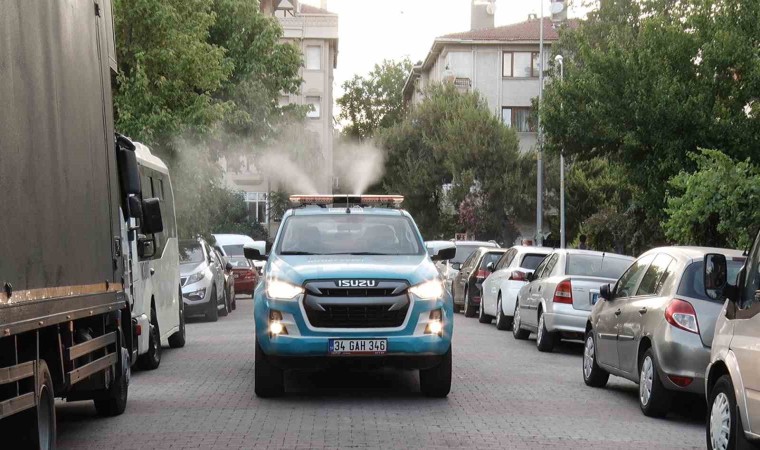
[356, 283]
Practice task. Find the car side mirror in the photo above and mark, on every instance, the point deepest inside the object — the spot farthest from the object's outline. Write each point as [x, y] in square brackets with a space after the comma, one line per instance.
[491, 267]
[715, 274]
[146, 247]
[152, 221]
[456, 266]
[228, 266]
[253, 254]
[530, 276]
[605, 292]
[443, 253]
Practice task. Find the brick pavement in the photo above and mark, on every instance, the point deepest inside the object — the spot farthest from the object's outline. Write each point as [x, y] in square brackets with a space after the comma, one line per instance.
[505, 395]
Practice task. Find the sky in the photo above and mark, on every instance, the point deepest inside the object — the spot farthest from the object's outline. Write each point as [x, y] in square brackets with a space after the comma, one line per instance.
[373, 30]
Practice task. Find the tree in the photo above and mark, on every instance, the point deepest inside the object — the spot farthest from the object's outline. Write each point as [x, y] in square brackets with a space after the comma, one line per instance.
[375, 101]
[716, 204]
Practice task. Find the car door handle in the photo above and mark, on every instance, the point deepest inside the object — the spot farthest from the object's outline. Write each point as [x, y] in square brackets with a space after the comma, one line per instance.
[539, 288]
[618, 312]
[152, 271]
[643, 310]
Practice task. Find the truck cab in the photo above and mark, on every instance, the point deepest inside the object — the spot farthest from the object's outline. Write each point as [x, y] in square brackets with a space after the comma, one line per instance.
[350, 281]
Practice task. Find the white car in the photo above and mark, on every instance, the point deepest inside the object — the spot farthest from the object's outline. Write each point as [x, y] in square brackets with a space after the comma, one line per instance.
[450, 269]
[501, 287]
[558, 299]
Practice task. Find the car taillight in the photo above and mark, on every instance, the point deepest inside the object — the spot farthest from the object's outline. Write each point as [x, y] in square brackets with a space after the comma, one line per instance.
[681, 314]
[564, 292]
[516, 275]
[680, 381]
[482, 274]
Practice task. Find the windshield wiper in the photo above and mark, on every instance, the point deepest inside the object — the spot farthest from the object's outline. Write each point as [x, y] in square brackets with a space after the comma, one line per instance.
[295, 252]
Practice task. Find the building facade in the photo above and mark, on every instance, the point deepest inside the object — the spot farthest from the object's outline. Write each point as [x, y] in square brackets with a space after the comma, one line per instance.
[315, 31]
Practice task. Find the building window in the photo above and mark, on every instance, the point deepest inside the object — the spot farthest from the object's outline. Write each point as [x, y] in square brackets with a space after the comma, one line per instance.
[315, 103]
[257, 205]
[313, 57]
[520, 64]
[518, 118]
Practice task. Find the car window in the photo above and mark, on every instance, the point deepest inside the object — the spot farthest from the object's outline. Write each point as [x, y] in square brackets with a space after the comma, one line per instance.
[550, 266]
[463, 253]
[190, 252]
[540, 269]
[531, 260]
[506, 259]
[692, 284]
[628, 281]
[752, 277]
[655, 276]
[468, 262]
[489, 258]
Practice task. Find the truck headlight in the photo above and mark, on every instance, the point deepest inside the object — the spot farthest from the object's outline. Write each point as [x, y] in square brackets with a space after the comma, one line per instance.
[428, 290]
[196, 277]
[281, 290]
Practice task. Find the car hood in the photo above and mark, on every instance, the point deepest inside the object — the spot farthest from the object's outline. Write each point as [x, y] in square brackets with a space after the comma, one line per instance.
[299, 269]
[191, 268]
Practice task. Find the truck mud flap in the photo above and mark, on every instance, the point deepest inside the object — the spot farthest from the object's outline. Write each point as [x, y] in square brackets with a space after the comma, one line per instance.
[22, 402]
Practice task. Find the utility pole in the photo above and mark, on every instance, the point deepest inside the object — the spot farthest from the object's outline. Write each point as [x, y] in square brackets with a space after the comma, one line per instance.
[562, 237]
[540, 155]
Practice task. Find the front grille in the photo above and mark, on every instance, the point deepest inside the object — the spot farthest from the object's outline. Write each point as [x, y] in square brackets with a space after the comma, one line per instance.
[384, 306]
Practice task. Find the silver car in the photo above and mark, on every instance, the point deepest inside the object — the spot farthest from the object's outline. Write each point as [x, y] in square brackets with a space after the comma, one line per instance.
[561, 292]
[733, 376]
[202, 279]
[450, 269]
[655, 327]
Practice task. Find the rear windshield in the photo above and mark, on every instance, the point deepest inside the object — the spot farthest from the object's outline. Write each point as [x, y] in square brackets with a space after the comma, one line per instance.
[233, 250]
[692, 284]
[190, 252]
[464, 252]
[490, 258]
[603, 266]
[239, 263]
[531, 261]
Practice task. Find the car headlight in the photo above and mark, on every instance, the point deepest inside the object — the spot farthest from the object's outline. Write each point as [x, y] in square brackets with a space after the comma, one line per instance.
[196, 277]
[282, 290]
[428, 290]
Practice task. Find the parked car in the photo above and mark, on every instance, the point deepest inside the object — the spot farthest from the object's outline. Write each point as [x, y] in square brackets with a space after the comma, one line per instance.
[450, 269]
[466, 287]
[733, 374]
[202, 279]
[245, 274]
[229, 282]
[561, 292]
[501, 287]
[655, 327]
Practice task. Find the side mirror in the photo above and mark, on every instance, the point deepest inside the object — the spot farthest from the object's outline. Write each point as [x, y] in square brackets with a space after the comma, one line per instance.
[530, 276]
[146, 247]
[456, 266]
[135, 209]
[253, 253]
[715, 274]
[605, 292]
[129, 174]
[443, 253]
[228, 266]
[490, 266]
[152, 222]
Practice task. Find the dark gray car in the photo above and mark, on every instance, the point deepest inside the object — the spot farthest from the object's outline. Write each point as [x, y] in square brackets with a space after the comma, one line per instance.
[656, 325]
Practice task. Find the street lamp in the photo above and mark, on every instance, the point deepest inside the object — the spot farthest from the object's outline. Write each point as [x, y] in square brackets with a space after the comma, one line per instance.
[562, 237]
[540, 155]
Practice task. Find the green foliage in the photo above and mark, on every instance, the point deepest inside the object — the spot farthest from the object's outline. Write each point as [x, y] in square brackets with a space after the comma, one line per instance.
[376, 101]
[716, 205]
[454, 138]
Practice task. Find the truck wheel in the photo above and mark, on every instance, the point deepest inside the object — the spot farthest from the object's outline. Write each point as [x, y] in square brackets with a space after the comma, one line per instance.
[269, 381]
[212, 314]
[503, 322]
[469, 309]
[436, 382]
[152, 359]
[226, 302]
[177, 340]
[116, 402]
[36, 426]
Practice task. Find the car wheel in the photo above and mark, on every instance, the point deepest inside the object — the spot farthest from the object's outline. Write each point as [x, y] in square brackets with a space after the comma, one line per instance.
[177, 340]
[724, 425]
[269, 380]
[482, 316]
[212, 314]
[654, 399]
[545, 339]
[436, 381]
[593, 375]
[226, 303]
[503, 322]
[469, 309]
[152, 359]
[517, 332]
[234, 302]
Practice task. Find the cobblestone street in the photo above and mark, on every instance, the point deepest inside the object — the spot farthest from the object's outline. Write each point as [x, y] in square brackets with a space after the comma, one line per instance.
[505, 394]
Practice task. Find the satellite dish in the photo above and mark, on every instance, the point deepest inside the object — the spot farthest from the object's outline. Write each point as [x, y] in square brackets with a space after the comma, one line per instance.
[557, 7]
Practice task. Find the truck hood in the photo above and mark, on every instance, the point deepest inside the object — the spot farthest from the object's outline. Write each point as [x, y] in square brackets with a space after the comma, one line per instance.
[299, 269]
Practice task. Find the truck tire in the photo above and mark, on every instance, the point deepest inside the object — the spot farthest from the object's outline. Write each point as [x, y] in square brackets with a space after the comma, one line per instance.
[36, 426]
[116, 402]
[152, 359]
[177, 340]
[212, 314]
[436, 381]
[269, 381]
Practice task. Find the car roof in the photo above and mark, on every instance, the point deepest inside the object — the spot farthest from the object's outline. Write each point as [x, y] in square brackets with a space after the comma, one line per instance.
[492, 249]
[694, 252]
[478, 243]
[232, 239]
[531, 248]
[576, 251]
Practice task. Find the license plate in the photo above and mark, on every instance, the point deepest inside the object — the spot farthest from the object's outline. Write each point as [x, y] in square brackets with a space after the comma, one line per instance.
[357, 346]
[594, 297]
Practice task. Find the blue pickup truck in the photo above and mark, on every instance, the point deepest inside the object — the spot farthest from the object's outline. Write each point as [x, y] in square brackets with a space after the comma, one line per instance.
[350, 281]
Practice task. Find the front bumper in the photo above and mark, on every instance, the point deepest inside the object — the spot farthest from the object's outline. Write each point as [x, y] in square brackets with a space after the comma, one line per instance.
[566, 319]
[200, 306]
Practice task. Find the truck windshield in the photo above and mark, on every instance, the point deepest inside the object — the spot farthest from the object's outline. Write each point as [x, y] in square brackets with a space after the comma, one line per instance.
[349, 234]
[190, 252]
